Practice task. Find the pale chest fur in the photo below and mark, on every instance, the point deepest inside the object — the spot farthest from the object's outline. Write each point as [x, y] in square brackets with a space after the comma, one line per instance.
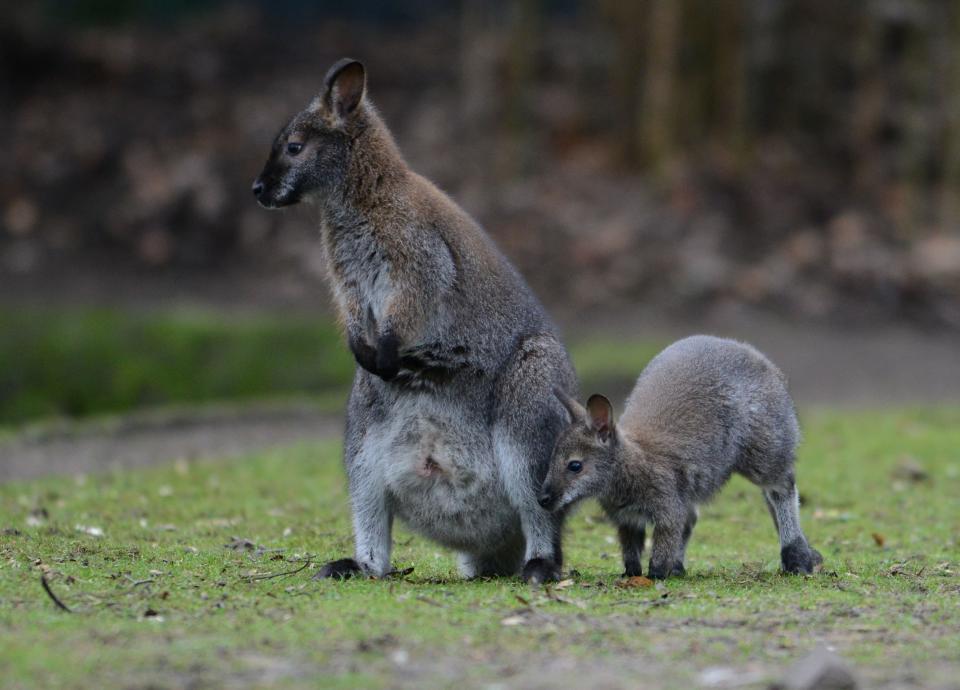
[359, 271]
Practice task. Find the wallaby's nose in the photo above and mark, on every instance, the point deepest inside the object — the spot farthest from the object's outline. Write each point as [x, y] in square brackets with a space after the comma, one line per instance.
[257, 187]
[545, 500]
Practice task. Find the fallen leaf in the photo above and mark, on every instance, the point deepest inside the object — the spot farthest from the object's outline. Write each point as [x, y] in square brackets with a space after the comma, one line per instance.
[563, 584]
[635, 581]
[878, 539]
[510, 621]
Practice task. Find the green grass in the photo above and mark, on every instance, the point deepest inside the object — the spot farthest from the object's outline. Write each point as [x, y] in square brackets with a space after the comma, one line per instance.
[62, 364]
[93, 362]
[159, 601]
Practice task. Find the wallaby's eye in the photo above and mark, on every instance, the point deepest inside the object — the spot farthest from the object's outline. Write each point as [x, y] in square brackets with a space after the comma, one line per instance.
[293, 148]
[575, 466]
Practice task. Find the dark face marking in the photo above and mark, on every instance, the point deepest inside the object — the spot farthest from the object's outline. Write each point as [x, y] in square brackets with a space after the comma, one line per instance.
[307, 159]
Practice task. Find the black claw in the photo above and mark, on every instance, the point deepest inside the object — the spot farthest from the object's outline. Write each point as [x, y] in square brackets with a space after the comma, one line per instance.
[797, 558]
[343, 569]
[540, 570]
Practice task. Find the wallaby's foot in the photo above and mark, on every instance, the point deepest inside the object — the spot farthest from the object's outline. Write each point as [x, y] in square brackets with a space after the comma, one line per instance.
[798, 558]
[632, 570]
[343, 569]
[659, 571]
[540, 570]
[678, 570]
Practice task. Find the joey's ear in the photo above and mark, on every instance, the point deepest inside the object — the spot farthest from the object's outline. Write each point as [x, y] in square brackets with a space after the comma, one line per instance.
[344, 87]
[601, 416]
[573, 408]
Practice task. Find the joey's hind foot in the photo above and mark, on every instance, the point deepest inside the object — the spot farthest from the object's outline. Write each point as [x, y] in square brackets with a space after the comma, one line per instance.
[797, 558]
[342, 569]
[678, 570]
[540, 570]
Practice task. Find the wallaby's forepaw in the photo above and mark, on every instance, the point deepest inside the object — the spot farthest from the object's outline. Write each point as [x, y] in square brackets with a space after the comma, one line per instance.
[540, 570]
[342, 569]
[388, 356]
[632, 570]
[678, 570]
[797, 558]
[365, 355]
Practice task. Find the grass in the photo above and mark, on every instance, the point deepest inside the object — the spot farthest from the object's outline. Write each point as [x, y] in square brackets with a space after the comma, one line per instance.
[92, 362]
[161, 600]
[80, 364]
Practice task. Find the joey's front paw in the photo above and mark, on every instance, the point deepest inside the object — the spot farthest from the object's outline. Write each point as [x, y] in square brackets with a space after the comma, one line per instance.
[540, 570]
[343, 569]
[388, 356]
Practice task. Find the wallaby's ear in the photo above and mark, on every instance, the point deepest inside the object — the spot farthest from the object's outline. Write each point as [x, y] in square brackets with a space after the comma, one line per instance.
[573, 408]
[601, 416]
[344, 87]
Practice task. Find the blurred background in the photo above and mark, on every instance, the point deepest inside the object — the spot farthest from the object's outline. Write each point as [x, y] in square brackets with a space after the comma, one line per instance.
[785, 171]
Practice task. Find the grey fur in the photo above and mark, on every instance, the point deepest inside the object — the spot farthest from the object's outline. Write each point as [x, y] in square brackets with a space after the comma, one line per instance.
[703, 409]
[452, 418]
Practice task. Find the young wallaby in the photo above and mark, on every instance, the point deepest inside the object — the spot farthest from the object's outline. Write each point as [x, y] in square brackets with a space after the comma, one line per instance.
[452, 418]
[703, 409]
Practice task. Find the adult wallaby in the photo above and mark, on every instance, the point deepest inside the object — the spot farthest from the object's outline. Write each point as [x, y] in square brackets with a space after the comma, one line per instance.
[452, 417]
[703, 409]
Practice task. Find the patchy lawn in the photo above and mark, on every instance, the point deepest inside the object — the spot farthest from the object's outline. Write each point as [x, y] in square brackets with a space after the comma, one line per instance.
[165, 572]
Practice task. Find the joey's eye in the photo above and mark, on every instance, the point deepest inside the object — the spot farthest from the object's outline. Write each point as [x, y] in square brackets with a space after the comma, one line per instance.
[575, 466]
[293, 148]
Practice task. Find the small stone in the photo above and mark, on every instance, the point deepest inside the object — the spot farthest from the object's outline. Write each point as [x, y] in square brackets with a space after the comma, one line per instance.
[819, 670]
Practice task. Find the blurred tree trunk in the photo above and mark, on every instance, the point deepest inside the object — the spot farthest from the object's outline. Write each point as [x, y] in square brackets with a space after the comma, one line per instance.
[655, 124]
[479, 50]
[627, 23]
[522, 48]
[950, 184]
[732, 41]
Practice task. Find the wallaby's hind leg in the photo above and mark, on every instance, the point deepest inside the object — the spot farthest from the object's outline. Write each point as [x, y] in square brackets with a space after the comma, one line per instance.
[692, 515]
[667, 545]
[372, 517]
[632, 538]
[527, 420]
[796, 556]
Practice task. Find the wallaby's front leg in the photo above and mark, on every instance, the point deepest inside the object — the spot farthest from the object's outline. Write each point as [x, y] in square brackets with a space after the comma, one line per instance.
[632, 538]
[667, 546]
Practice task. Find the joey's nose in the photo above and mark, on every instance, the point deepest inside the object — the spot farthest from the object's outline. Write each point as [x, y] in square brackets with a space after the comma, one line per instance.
[257, 187]
[545, 500]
